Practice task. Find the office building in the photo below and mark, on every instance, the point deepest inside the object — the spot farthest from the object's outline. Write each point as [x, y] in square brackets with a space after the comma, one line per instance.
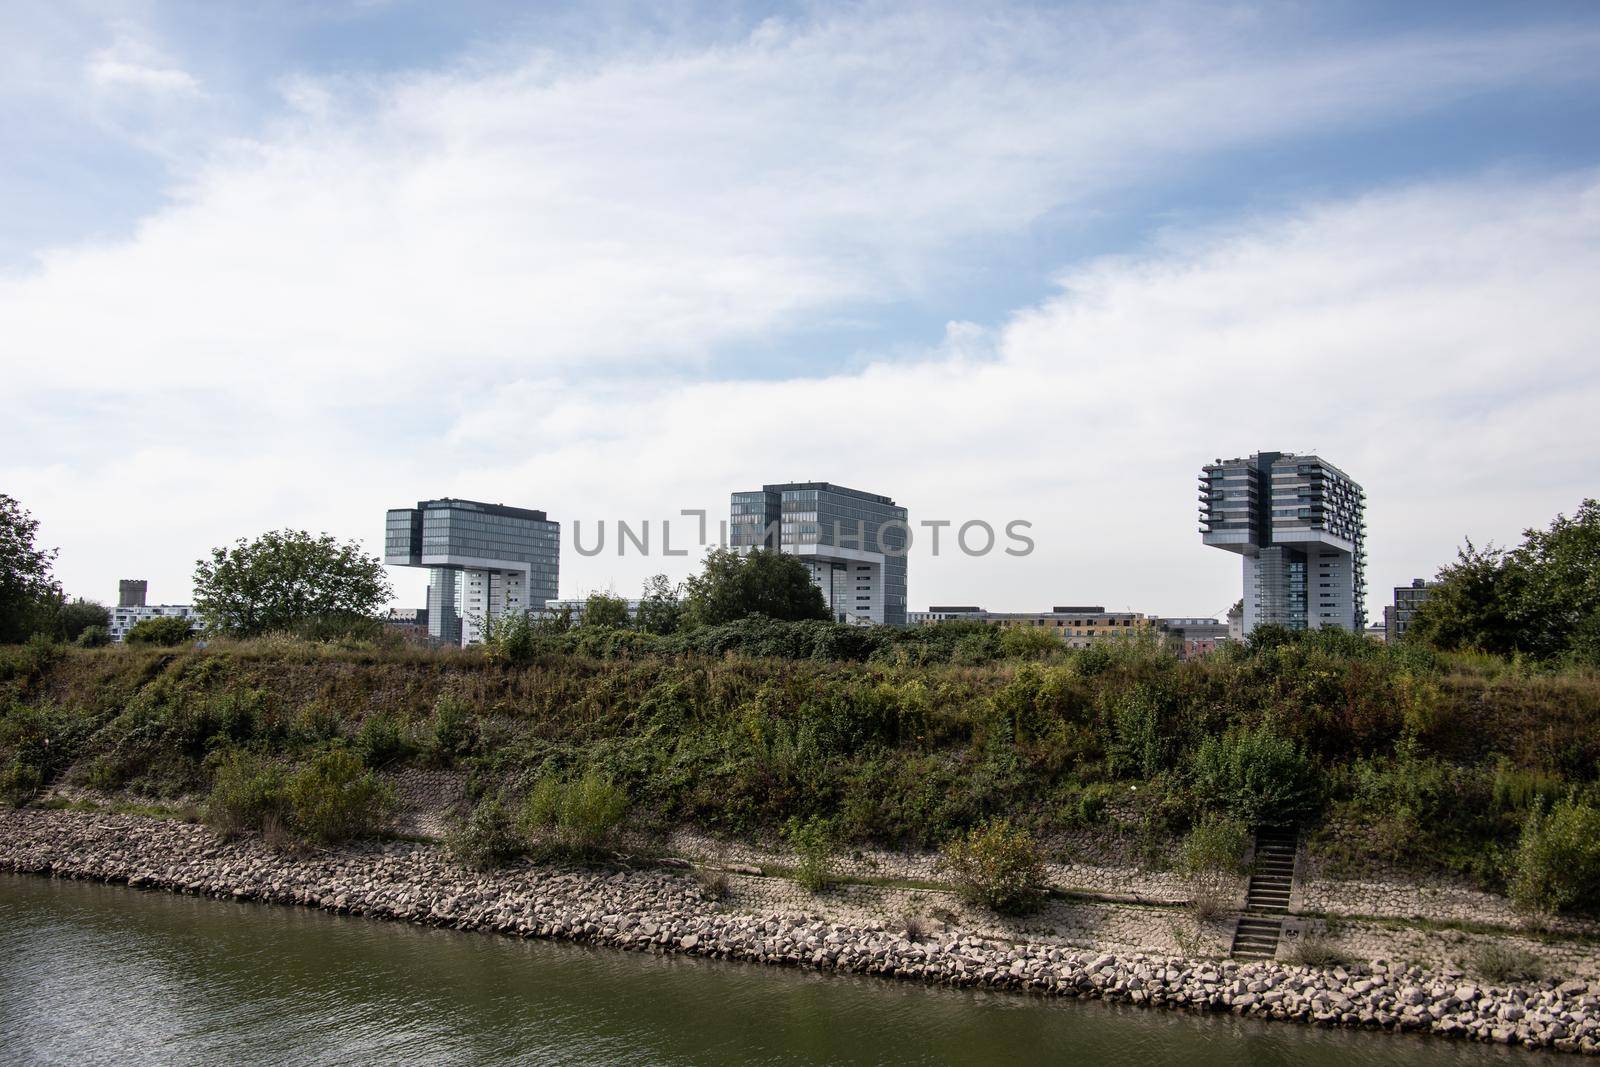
[1407, 599]
[131, 610]
[1193, 637]
[853, 543]
[1298, 524]
[1078, 626]
[484, 561]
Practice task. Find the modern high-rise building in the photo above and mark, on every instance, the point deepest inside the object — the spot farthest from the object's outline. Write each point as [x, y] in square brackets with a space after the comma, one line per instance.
[1299, 523]
[483, 560]
[853, 543]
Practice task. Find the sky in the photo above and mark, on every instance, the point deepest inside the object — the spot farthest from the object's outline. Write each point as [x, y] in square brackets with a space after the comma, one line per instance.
[291, 265]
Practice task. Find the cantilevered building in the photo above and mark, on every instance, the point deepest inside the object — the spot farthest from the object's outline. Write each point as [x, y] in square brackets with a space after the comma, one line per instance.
[853, 543]
[483, 560]
[1299, 523]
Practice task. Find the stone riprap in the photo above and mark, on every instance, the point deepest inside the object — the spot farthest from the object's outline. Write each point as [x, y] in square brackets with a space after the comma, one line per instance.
[662, 910]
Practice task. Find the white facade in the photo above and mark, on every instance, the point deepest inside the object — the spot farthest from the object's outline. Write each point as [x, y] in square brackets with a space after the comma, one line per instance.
[123, 619]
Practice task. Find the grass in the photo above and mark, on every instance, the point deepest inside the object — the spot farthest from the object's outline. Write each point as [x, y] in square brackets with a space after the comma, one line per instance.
[1435, 759]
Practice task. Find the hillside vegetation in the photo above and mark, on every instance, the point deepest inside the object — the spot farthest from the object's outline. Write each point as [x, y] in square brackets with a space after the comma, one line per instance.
[890, 737]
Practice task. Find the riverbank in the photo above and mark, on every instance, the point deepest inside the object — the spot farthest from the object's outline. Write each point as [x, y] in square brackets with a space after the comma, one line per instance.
[664, 910]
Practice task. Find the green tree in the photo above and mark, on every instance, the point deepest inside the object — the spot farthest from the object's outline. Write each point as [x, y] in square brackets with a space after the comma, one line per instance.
[1473, 604]
[287, 579]
[73, 617]
[1540, 599]
[764, 582]
[602, 611]
[165, 630]
[27, 589]
[1559, 590]
[661, 607]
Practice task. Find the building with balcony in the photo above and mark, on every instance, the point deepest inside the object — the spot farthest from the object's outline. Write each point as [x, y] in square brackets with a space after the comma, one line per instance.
[854, 544]
[1298, 523]
[1078, 626]
[484, 561]
[131, 610]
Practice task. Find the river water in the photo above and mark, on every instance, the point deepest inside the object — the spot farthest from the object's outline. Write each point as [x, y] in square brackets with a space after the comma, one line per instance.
[104, 974]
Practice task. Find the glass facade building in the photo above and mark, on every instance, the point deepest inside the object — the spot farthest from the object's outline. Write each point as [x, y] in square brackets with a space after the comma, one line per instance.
[853, 543]
[484, 561]
[1299, 523]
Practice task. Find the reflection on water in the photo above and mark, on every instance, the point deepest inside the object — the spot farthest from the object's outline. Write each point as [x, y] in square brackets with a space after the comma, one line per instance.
[105, 974]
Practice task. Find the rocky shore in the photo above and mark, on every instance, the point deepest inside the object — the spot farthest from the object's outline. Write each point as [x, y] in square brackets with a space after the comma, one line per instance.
[660, 909]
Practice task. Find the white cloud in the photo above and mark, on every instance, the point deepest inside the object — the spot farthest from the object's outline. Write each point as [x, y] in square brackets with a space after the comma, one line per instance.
[507, 280]
[108, 69]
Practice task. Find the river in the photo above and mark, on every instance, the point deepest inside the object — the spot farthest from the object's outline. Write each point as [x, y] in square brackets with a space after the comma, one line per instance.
[104, 974]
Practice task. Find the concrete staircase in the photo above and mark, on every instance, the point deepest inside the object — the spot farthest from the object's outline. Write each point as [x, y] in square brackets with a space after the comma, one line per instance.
[1267, 900]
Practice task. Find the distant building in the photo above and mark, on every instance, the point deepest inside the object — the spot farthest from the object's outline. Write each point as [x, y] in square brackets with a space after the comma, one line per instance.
[1407, 599]
[573, 609]
[1192, 638]
[1299, 524]
[1079, 626]
[1378, 631]
[484, 561]
[853, 543]
[132, 610]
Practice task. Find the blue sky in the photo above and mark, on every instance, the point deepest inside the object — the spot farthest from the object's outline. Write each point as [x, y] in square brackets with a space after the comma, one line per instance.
[293, 264]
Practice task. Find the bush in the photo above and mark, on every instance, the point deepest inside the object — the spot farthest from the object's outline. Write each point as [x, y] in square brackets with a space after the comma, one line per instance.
[455, 730]
[1504, 964]
[1211, 859]
[246, 790]
[380, 740]
[510, 639]
[93, 637]
[812, 841]
[487, 838]
[997, 866]
[167, 631]
[1557, 865]
[1317, 950]
[713, 884]
[578, 819]
[336, 798]
[20, 782]
[1257, 776]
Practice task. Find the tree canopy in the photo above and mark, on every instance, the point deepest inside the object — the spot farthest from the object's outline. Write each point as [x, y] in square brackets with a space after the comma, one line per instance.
[1540, 599]
[286, 580]
[607, 612]
[27, 588]
[764, 582]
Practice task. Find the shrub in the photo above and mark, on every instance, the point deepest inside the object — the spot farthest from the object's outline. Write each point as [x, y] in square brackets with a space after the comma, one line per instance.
[455, 731]
[335, 798]
[576, 818]
[93, 637]
[380, 740]
[713, 884]
[1256, 775]
[812, 841]
[246, 790]
[1503, 964]
[1031, 642]
[20, 782]
[998, 866]
[1317, 950]
[166, 630]
[487, 838]
[1211, 858]
[511, 639]
[1557, 865]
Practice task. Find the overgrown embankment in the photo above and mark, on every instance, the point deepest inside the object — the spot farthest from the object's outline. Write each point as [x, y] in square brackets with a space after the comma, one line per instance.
[1406, 758]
